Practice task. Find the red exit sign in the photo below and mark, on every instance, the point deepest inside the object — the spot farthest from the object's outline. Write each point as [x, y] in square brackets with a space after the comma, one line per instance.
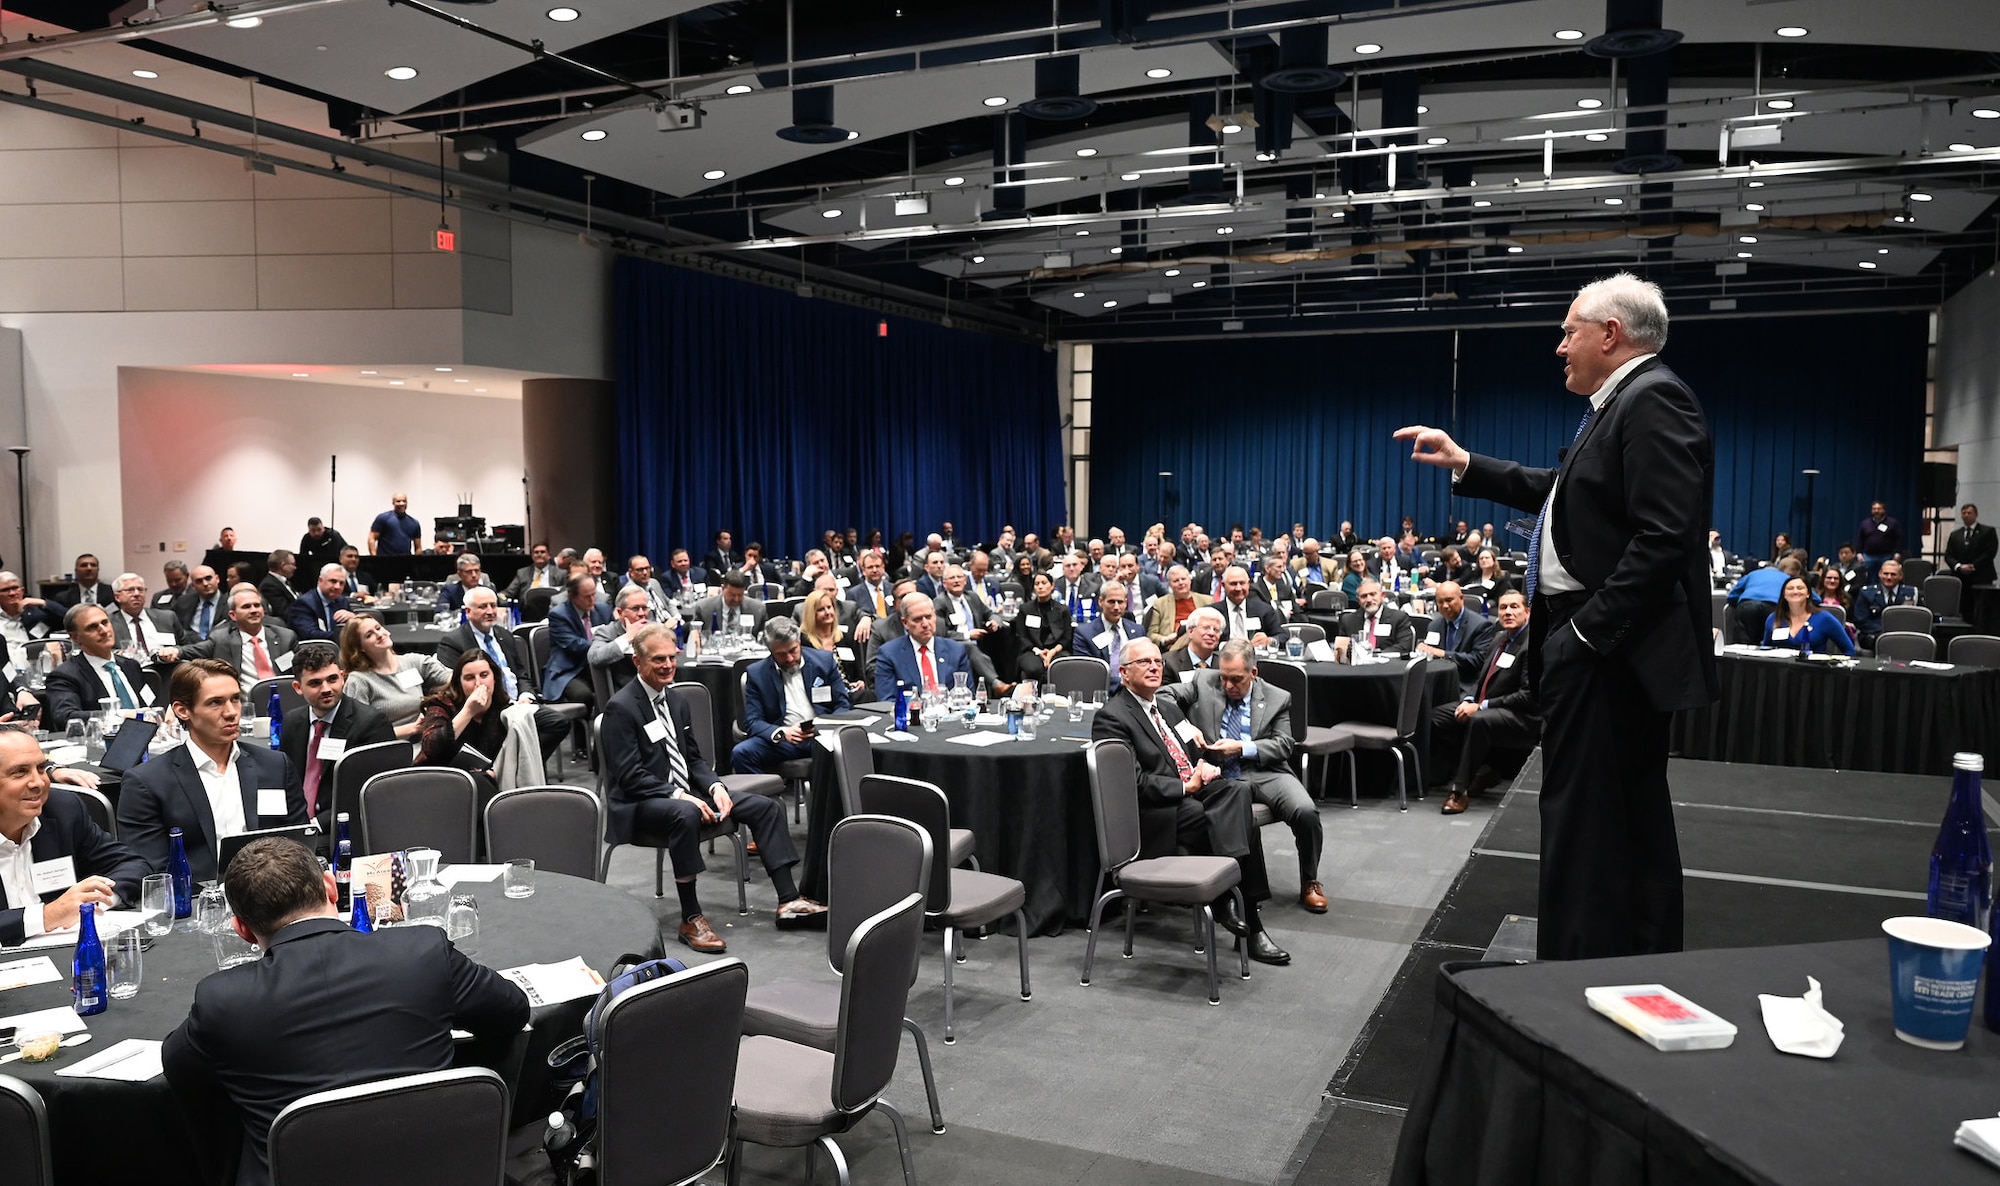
[447, 240]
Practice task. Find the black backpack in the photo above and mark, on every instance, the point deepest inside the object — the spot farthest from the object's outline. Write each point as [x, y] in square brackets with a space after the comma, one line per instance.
[571, 1137]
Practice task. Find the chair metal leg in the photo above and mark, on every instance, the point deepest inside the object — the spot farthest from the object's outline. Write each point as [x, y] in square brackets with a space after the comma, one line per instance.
[1402, 789]
[1096, 892]
[1242, 947]
[833, 1154]
[1353, 783]
[659, 872]
[734, 1173]
[1200, 935]
[1128, 928]
[1206, 918]
[1021, 933]
[902, 1140]
[742, 871]
[930, 1081]
[950, 945]
[604, 864]
[1416, 767]
[1090, 935]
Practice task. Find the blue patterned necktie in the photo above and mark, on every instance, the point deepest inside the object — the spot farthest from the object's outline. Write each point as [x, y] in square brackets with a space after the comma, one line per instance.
[1233, 719]
[1542, 519]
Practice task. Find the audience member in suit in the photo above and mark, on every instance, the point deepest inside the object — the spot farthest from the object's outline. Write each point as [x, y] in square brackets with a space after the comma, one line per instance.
[821, 629]
[1457, 634]
[1246, 730]
[1001, 554]
[722, 557]
[326, 1007]
[873, 594]
[1209, 580]
[203, 605]
[89, 589]
[659, 606]
[1184, 802]
[1311, 568]
[783, 694]
[571, 621]
[1042, 632]
[1066, 586]
[931, 583]
[660, 782]
[813, 566]
[1496, 710]
[1200, 647]
[25, 619]
[277, 583]
[1107, 639]
[607, 582]
[49, 825]
[1383, 628]
[327, 725]
[92, 673]
[681, 575]
[211, 786]
[1245, 615]
[361, 584]
[1968, 554]
[257, 648]
[513, 666]
[1274, 584]
[1166, 618]
[731, 609]
[319, 546]
[964, 617]
[155, 632]
[759, 570]
[904, 658]
[611, 644]
[1103, 570]
[175, 574]
[886, 630]
[539, 572]
[1887, 590]
[320, 614]
[466, 569]
[1140, 587]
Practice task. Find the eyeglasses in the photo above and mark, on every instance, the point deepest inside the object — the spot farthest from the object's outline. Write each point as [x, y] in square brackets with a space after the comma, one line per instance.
[1142, 662]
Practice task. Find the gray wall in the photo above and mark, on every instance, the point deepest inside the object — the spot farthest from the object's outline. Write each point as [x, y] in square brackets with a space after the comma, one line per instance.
[1968, 390]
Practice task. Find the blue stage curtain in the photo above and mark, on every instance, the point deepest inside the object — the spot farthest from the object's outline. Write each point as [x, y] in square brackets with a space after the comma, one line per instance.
[775, 417]
[1275, 430]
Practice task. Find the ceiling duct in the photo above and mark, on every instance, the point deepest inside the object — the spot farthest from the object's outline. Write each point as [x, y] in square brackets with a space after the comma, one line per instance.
[1059, 91]
[1399, 110]
[1302, 62]
[1273, 112]
[1646, 130]
[1205, 185]
[1010, 148]
[1631, 30]
[812, 118]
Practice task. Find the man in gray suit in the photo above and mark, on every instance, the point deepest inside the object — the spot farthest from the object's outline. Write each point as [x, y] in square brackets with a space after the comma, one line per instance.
[157, 632]
[611, 644]
[1246, 726]
[730, 608]
[257, 649]
[639, 575]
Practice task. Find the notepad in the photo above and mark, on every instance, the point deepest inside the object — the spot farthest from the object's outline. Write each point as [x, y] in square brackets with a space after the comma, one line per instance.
[981, 740]
[135, 1060]
[549, 984]
[37, 969]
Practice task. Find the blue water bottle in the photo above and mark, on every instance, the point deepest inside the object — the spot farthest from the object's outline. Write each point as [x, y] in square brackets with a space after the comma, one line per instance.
[182, 873]
[514, 612]
[343, 863]
[902, 708]
[275, 709]
[86, 984]
[359, 921]
[1961, 860]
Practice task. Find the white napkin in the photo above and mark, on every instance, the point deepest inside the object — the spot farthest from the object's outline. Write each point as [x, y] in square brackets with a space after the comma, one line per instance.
[1799, 1025]
[1981, 1138]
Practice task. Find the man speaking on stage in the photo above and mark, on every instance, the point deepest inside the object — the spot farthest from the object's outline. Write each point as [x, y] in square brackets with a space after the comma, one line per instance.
[1619, 625]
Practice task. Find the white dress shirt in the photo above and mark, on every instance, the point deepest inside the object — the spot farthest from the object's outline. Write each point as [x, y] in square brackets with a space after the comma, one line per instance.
[225, 793]
[17, 874]
[15, 631]
[798, 705]
[1552, 577]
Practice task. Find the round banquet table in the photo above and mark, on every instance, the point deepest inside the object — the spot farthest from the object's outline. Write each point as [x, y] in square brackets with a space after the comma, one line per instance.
[720, 680]
[105, 1131]
[412, 639]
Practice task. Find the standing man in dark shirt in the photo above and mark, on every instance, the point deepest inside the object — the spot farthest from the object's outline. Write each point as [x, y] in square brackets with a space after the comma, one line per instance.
[1968, 554]
[1879, 538]
[319, 546]
[395, 531]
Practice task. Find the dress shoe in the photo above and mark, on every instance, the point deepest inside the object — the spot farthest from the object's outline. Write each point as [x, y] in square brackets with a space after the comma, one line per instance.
[1313, 898]
[1455, 802]
[696, 933]
[1266, 952]
[801, 913]
[1228, 919]
[750, 848]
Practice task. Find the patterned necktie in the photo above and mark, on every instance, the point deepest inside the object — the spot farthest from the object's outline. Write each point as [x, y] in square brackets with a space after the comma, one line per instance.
[1234, 718]
[313, 768]
[488, 644]
[1174, 749]
[264, 670]
[139, 634]
[1534, 575]
[677, 766]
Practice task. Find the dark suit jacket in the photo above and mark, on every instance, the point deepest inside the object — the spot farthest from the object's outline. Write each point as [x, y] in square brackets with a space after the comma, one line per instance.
[225, 642]
[1052, 627]
[673, 582]
[187, 607]
[524, 578]
[1160, 790]
[1974, 545]
[452, 596]
[1270, 718]
[353, 722]
[278, 596]
[897, 660]
[167, 793]
[75, 687]
[1402, 634]
[1085, 642]
[1631, 520]
[636, 769]
[69, 597]
[718, 564]
[569, 645]
[764, 699]
[711, 610]
[864, 596]
[328, 1007]
[68, 831]
[975, 609]
[162, 629]
[1505, 687]
[1468, 648]
[1181, 660]
[513, 648]
[307, 617]
[1258, 611]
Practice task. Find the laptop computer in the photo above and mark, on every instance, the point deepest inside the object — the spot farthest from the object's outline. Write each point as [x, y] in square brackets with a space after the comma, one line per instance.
[308, 834]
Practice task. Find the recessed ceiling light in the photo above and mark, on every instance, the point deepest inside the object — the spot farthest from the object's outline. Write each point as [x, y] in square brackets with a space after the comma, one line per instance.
[1201, 284]
[1436, 140]
[1128, 177]
[1985, 113]
[954, 181]
[1423, 110]
[1159, 72]
[1792, 31]
[1368, 47]
[1755, 207]
[1077, 295]
[594, 134]
[145, 73]
[1780, 104]
[1869, 264]
[301, 375]
[1118, 251]
[461, 380]
[1962, 147]
[563, 15]
[829, 213]
[480, 390]
[1742, 255]
[1756, 185]
[1111, 304]
[395, 382]
[1086, 152]
[1881, 251]
[1231, 129]
[244, 22]
[1614, 201]
[1081, 234]
[1596, 137]
[1173, 272]
[442, 370]
[371, 372]
[1482, 203]
[1746, 238]
[1515, 250]
[854, 135]
[1225, 230]
[401, 73]
[1569, 34]
[714, 175]
[1920, 196]
[996, 101]
[1590, 104]
[741, 88]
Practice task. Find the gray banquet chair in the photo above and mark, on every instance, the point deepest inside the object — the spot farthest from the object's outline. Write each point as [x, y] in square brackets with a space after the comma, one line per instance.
[1905, 645]
[441, 1128]
[1310, 741]
[1942, 595]
[422, 807]
[24, 1134]
[1974, 650]
[1079, 674]
[854, 760]
[558, 826]
[658, 1129]
[643, 837]
[1912, 618]
[1400, 736]
[357, 765]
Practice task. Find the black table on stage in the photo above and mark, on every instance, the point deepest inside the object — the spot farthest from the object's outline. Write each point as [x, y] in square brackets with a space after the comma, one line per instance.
[1524, 1083]
[1878, 715]
[104, 1131]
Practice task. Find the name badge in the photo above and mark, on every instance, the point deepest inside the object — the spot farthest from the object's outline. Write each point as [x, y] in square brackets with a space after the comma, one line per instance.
[40, 631]
[1187, 732]
[656, 730]
[841, 583]
[822, 695]
[1384, 629]
[844, 654]
[331, 748]
[1105, 640]
[1187, 677]
[1781, 633]
[948, 618]
[283, 662]
[1881, 527]
[13, 670]
[410, 677]
[1032, 621]
[146, 695]
[57, 873]
[1430, 640]
[1506, 659]
[271, 801]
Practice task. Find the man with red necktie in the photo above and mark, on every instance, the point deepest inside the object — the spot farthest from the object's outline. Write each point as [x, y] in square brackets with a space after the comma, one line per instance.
[920, 659]
[1499, 711]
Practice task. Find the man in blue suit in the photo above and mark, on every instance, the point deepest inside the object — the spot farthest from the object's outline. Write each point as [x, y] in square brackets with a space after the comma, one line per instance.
[211, 786]
[872, 593]
[681, 574]
[80, 863]
[782, 695]
[1105, 641]
[321, 613]
[570, 622]
[919, 651]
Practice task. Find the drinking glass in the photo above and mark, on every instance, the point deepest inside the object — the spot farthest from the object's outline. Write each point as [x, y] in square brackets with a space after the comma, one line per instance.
[520, 878]
[156, 901]
[1075, 709]
[462, 920]
[77, 732]
[125, 960]
[1096, 701]
[1027, 732]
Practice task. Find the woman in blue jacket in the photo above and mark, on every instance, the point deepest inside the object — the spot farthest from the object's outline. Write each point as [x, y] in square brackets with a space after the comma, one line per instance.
[1799, 623]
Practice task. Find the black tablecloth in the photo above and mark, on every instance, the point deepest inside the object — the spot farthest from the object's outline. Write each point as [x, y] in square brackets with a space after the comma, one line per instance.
[414, 640]
[720, 680]
[1525, 1083]
[110, 1132]
[1876, 716]
[1373, 693]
